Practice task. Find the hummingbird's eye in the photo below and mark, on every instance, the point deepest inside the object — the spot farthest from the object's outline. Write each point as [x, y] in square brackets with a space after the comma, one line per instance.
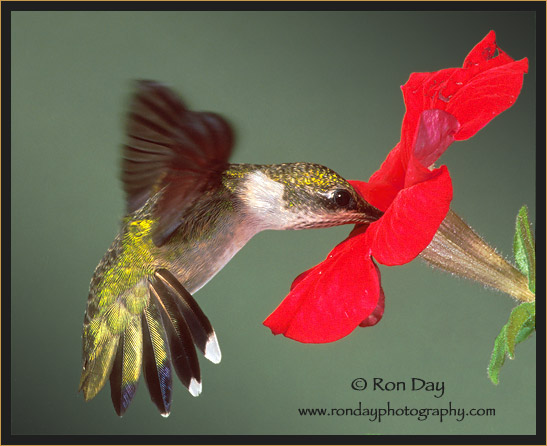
[342, 197]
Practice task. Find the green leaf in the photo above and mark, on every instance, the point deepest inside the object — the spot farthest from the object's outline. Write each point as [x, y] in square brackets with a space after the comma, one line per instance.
[519, 327]
[524, 248]
[519, 317]
[527, 329]
[498, 356]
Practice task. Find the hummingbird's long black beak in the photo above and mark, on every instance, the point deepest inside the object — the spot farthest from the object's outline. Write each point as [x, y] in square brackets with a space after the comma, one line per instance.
[367, 212]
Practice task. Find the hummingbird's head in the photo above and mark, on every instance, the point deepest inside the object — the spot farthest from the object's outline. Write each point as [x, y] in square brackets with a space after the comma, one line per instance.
[303, 196]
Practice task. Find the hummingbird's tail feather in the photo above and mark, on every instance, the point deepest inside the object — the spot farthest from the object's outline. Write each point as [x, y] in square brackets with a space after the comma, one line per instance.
[126, 368]
[172, 323]
[156, 359]
[202, 331]
[154, 325]
[99, 349]
[181, 342]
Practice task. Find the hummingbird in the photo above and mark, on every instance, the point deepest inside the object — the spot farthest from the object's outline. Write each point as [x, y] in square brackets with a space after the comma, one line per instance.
[188, 212]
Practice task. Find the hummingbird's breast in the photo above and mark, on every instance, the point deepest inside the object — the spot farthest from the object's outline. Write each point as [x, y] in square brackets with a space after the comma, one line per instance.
[195, 258]
[215, 229]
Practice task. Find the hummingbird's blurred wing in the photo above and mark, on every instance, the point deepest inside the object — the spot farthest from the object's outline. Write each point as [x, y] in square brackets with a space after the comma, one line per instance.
[172, 148]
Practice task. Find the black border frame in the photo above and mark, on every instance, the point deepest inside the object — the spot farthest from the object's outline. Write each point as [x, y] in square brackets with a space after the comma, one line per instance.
[539, 7]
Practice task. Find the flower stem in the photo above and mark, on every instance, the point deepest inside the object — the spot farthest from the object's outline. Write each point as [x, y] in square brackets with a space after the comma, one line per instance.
[459, 250]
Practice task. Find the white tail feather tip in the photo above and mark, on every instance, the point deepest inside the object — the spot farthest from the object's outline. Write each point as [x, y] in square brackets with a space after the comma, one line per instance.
[212, 349]
[195, 387]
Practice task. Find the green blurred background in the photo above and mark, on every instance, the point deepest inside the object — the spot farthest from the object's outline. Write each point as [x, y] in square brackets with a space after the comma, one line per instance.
[297, 86]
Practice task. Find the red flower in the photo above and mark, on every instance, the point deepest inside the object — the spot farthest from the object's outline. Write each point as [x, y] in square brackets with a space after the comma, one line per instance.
[331, 299]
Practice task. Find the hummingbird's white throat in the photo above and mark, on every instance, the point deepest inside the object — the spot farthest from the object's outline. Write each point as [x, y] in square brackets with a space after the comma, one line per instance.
[263, 201]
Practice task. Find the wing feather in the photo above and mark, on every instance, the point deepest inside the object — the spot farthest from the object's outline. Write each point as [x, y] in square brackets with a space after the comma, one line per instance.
[183, 154]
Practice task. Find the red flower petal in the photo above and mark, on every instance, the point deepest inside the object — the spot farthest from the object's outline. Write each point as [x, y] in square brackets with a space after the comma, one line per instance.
[406, 163]
[488, 84]
[489, 94]
[329, 302]
[485, 50]
[435, 133]
[378, 312]
[410, 223]
[384, 185]
[423, 91]
[413, 217]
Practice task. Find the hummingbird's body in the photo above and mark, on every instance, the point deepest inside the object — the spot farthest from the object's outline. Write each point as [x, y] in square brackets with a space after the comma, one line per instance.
[189, 212]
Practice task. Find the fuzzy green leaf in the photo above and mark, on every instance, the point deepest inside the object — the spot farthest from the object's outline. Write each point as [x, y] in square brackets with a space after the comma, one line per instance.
[521, 324]
[527, 329]
[498, 356]
[518, 319]
[524, 248]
